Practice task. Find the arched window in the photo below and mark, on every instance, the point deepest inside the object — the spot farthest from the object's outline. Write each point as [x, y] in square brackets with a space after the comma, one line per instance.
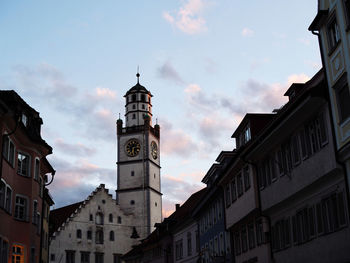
[99, 236]
[89, 234]
[78, 233]
[133, 98]
[91, 217]
[111, 236]
[99, 219]
[119, 220]
[143, 98]
[110, 218]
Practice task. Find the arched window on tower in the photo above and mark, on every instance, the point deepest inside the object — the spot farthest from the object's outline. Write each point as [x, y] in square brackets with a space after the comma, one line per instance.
[110, 218]
[119, 220]
[99, 236]
[143, 97]
[99, 218]
[133, 98]
[78, 233]
[111, 236]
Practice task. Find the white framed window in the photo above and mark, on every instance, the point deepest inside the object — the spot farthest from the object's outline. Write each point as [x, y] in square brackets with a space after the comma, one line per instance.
[333, 34]
[21, 207]
[23, 164]
[37, 169]
[8, 150]
[24, 119]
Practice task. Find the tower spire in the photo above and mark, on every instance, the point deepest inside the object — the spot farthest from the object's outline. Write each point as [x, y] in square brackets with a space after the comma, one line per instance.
[138, 75]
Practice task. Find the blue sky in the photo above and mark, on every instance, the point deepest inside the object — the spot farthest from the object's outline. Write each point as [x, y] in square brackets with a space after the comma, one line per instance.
[207, 63]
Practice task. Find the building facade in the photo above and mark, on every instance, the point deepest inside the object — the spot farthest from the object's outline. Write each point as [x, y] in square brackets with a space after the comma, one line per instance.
[331, 25]
[23, 173]
[246, 223]
[96, 230]
[302, 186]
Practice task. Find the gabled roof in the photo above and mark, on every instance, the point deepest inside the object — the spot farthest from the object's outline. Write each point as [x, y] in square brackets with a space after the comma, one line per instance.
[61, 216]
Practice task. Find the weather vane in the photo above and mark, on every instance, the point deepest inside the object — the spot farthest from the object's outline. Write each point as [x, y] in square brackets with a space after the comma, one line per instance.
[138, 74]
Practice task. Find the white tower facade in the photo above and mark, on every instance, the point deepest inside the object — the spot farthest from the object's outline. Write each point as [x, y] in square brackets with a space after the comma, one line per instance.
[138, 165]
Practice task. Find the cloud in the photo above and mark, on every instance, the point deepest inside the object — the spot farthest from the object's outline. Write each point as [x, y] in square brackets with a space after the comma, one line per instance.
[77, 149]
[247, 32]
[73, 182]
[46, 83]
[189, 17]
[297, 78]
[210, 66]
[176, 141]
[176, 191]
[167, 71]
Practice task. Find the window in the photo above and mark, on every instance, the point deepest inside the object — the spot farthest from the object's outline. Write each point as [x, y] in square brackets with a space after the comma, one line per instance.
[32, 255]
[343, 97]
[133, 106]
[89, 234]
[239, 184]
[228, 196]
[21, 208]
[8, 199]
[143, 97]
[24, 119]
[23, 165]
[244, 239]
[17, 253]
[79, 233]
[116, 258]
[37, 169]
[237, 243]
[233, 190]
[281, 234]
[132, 173]
[2, 193]
[111, 236]
[295, 150]
[312, 223]
[133, 97]
[259, 232]
[91, 217]
[110, 218]
[99, 257]
[197, 241]
[251, 236]
[9, 150]
[222, 247]
[35, 212]
[99, 218]
[216, 246]
[70, 256]
[119, 220]
[84, 257]
[347, 13]
[132, 202]
[246, 178]
[4, 247]
[99, 236]
[178, 249]
[143, 106]
[333, 34]
[189, 244]
[52, 257]
[134, 116]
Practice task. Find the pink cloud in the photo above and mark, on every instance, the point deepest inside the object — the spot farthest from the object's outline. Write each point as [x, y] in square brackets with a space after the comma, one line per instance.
[247, 32]
[105, 93]
[77, 149]
[189, 17]
[176, 141]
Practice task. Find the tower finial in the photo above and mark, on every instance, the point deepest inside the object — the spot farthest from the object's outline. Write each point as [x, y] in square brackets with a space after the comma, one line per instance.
[138, 74]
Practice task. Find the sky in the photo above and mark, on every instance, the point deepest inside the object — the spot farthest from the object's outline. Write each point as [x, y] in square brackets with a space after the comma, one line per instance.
[206, 62]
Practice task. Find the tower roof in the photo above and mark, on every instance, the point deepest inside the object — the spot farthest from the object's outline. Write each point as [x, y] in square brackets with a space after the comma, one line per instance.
[138, 88]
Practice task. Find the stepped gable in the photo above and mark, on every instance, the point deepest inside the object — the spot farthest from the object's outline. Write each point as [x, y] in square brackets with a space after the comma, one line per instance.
[61, 216]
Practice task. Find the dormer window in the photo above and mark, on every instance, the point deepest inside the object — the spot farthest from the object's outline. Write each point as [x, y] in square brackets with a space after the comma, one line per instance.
[24, 119]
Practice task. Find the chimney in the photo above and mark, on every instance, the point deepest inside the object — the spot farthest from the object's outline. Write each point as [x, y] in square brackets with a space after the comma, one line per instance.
[177, 206]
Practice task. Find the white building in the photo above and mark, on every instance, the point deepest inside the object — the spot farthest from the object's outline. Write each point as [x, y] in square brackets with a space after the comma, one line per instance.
[101, 229]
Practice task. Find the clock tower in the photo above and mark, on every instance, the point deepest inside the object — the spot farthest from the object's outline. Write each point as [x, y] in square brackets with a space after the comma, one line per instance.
[138, 165]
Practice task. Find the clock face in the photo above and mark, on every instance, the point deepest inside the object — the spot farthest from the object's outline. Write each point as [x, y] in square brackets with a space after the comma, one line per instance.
[132, 147]
[154, 150]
